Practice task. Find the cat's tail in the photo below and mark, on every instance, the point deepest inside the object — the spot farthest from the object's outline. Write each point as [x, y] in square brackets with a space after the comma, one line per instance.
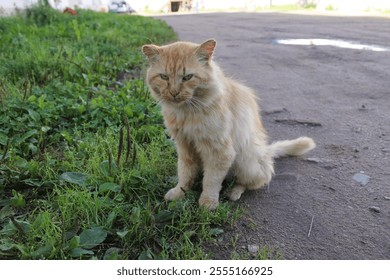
[294, 147]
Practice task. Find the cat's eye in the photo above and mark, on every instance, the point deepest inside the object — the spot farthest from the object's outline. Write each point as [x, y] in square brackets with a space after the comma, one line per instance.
[164, 77]
[188, 77]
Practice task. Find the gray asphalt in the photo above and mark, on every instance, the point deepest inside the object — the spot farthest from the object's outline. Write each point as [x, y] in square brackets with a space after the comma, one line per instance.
[313, 208]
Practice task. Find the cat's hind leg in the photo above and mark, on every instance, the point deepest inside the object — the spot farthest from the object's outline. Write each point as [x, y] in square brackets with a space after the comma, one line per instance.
[252, 173]
[236, 192]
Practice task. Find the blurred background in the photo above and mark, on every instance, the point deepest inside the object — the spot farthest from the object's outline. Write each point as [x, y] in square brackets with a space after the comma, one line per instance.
[173, 6]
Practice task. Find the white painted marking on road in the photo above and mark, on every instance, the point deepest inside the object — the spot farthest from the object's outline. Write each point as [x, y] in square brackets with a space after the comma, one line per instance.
[334, 43]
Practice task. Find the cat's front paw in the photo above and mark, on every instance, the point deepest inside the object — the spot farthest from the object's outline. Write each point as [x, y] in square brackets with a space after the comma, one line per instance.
[174, 194]
[210, 203]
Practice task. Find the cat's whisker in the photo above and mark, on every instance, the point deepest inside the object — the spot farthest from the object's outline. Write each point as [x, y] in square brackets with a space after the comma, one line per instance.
[204, 106]
[195, 105]
[191, 104]
[198, 103]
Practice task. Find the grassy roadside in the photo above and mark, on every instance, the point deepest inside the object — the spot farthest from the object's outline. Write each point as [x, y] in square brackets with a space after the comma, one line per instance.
[84, 158]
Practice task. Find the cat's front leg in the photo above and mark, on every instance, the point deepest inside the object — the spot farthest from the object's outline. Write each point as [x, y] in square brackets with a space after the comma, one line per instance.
[217, 163]
[187, 169]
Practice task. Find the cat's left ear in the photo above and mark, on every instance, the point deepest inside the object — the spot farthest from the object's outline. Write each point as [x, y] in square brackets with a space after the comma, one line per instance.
[152, 52]
[206, 50]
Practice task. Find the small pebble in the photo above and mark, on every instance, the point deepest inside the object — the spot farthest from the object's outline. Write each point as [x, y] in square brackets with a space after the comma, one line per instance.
[386, 197]
[374, 209]
[253, 249]
[361, 178]
[363, 107]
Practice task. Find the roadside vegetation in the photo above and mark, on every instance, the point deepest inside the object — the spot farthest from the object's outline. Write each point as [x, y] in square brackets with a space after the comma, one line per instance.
[84, 157]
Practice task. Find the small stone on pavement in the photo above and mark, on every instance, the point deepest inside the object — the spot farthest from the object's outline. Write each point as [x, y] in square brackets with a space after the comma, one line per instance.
[361, 178]
[253, 249]
[374, 209]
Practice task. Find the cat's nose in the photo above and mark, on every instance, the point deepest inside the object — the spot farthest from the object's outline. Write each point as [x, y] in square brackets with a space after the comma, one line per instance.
[174, 93]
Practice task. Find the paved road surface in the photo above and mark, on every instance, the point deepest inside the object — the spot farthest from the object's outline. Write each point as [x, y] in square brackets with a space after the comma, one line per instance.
[313, 209]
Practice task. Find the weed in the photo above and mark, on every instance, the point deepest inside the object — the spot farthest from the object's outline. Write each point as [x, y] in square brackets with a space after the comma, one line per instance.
[330, 8]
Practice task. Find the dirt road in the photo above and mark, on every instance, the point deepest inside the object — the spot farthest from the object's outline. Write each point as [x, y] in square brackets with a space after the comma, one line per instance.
[335, 202]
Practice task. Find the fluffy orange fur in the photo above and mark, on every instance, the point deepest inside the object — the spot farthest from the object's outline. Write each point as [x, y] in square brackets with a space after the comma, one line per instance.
[214, 121]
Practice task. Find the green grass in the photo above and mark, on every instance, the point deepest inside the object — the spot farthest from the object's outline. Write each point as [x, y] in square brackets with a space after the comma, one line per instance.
[330, 8]
[84, 157]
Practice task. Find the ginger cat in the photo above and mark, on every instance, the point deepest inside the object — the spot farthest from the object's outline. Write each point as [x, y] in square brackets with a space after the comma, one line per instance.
[214, 122]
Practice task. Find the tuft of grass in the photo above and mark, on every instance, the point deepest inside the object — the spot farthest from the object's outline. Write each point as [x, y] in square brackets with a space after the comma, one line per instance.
[84, 157]
[330, 8]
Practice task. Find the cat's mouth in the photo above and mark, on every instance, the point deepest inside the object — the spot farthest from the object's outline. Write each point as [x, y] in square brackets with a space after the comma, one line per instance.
[173, 101]
[177, 101]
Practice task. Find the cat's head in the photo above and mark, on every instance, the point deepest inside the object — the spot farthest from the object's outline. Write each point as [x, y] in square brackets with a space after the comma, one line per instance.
[179, 72]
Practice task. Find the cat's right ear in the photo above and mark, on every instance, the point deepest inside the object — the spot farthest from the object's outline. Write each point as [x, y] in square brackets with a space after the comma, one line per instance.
[152, 52]
[206, 50]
